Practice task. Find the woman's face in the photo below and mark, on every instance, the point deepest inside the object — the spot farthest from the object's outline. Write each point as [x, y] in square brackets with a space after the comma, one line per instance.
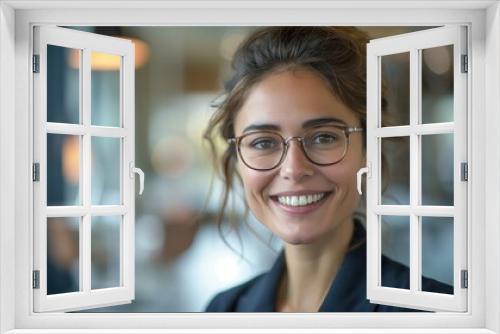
[287, 102]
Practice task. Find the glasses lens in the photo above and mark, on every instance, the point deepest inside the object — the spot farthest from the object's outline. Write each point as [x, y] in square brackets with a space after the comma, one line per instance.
[325, 145]
[261, 150]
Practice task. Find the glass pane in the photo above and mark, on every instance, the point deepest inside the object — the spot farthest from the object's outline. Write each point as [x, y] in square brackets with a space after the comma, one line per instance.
[63, 84]
[437, 84]
[437, 169]
[106, 171]
[106, 251]
[63, 249]
[437, 253]
[395, 247]
[396, 79]
[395, 171]
[105, 89]
[63, 169]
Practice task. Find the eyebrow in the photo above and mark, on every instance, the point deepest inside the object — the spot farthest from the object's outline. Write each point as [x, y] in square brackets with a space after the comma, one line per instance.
[322, 121]
[307, 124]
[260, 127]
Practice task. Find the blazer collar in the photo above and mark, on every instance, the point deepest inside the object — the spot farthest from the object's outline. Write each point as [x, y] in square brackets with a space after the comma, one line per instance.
[347, 292]
[261, 297]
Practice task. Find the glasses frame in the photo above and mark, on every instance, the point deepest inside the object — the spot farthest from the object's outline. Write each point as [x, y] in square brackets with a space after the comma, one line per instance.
[348, 130]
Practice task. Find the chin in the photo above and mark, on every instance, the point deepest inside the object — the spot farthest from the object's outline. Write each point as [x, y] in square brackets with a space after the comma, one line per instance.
[298, 239]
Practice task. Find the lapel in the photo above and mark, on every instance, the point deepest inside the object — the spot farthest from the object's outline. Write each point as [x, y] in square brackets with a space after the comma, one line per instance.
[261, 297]
[348, 290]
[346, 294]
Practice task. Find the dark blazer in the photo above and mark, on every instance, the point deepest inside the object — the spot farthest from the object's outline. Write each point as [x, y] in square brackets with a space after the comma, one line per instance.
[346, 294]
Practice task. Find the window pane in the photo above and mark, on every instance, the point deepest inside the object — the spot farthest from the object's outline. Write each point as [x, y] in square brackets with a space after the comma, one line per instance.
[105, 89]
[106, 171]
[63, 255]
[437, 84]
[437, 169]
[63, 84]
[106, 251]
[396, 78]
[63, 169]
[395, 171]
[437, 251]
[396, 247]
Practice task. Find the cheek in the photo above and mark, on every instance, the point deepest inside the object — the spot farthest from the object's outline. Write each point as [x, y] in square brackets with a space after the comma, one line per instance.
[344, 175]
[254, 183]
[348, 168]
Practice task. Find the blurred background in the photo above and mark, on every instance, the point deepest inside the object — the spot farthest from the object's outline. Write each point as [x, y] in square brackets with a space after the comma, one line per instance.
[181, 260]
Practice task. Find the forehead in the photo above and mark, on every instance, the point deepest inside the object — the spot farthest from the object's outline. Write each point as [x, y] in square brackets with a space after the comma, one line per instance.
[288, 99]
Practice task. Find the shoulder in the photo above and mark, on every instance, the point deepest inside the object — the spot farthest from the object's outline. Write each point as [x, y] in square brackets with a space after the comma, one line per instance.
[397, 275]
[227, 301]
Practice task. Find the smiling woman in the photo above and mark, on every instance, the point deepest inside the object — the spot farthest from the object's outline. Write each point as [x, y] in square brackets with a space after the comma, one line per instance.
[294, 116]
[289, 101]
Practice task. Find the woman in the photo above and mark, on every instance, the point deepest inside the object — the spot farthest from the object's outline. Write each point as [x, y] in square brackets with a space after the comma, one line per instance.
[294, 117]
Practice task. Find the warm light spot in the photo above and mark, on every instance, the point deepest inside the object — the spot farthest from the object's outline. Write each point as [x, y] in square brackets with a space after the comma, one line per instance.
[105, 62]
[71, 159]
[141, 52]
[110, 62]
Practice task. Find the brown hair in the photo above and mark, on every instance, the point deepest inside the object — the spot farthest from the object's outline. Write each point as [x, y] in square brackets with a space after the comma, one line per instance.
[337, 54]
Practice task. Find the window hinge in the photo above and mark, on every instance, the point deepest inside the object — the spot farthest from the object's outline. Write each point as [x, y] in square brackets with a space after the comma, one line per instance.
[465, 65]
[36, 279]
[36, 172]
[36, 63]
[464, 171]
[465, 279]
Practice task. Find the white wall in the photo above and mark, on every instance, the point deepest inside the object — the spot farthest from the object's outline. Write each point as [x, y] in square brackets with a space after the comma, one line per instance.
[492, 162]
[6, 165]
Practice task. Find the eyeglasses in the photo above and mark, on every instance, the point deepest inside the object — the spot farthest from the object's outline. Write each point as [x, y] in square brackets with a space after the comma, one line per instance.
[323, 145]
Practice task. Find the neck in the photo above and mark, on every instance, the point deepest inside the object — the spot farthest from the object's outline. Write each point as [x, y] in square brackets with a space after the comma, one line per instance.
[311, 269]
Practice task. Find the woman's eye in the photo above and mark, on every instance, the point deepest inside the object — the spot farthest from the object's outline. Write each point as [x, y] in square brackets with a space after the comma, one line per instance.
[324, 139]
[264, 144]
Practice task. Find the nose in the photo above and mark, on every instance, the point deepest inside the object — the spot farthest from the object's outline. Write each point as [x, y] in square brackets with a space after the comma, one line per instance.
[295, 165]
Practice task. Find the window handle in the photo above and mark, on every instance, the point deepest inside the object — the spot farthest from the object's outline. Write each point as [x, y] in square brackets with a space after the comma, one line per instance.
[134, 170]
[365, 170]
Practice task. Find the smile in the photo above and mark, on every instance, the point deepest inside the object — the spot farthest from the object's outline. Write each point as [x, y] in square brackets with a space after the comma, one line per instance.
[302, 200]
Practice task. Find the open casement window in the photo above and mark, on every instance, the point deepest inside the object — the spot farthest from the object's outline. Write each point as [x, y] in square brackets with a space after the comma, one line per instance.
[83, 170]
[436, 129]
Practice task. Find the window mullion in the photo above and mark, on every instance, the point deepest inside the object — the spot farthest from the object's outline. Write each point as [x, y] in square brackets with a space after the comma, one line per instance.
[108, 210]
[85, 242]
[103, 131]
[420, 129]
[419, 210]
[65, 211]
[415, 157]
[65, 129]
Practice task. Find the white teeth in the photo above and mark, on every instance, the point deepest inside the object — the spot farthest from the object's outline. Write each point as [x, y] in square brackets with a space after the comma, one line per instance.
[300, 200]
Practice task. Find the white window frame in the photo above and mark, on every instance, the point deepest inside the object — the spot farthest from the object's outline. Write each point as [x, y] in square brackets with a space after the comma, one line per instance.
[18, 16]
[413, 44]
[86, 43]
